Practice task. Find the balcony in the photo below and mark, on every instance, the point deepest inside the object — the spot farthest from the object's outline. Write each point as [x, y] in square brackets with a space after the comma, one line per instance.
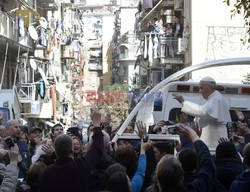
[50, 4]
[67, 2]
[95, 67]
[38, 109]
[128, 37]
[126, 53]
[25, 92]
[32, 108]
[9, 32]
[147, 16]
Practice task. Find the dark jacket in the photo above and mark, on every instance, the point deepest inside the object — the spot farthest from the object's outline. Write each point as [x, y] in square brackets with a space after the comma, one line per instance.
[69, 175]
[206, 174]
[97, 179]
[180, 33]
[25, 163]
[227, 170]
[204, 178]
[242, 183]
[247, 138]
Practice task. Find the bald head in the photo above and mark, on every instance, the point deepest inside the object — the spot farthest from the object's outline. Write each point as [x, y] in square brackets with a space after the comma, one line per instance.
[63, 146]
[14, 127]
[11, 122]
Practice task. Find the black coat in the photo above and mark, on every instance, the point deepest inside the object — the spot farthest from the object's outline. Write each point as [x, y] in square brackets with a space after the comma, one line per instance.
[242, 183]
[72, 175]
[227, 170]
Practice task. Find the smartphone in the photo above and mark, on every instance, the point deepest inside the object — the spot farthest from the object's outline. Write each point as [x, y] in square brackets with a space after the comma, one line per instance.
[73, 131]
[9, 142]
[236, 138]
[172, 130]
[145, 138]
[231, 126]
[168, 123]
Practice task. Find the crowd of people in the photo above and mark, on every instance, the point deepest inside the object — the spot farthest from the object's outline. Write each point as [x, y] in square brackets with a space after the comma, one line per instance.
[30, 162]
[64, 163]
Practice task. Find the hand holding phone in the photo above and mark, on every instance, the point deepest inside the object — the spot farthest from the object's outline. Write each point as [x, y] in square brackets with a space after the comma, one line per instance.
[9, 142]
[145, 138]
[172, 130]
[73, 131]
[168, 122]
[235, 138]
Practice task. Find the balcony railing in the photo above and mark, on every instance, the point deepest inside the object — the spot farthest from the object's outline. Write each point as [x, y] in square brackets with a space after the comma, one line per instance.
[8, 29]
[128, 37]
[95, 67]
[50, 4]
[25, 92]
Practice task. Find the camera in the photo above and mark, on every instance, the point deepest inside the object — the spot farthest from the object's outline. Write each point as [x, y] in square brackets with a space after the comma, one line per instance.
[9, 142]
[172, 130]
[232, 126]
[168, 123]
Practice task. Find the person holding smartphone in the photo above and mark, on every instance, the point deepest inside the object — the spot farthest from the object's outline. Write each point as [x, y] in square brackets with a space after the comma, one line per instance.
[13, 130]
[10, 176]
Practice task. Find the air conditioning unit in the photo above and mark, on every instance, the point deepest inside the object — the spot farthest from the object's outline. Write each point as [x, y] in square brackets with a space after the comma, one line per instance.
[22, 73]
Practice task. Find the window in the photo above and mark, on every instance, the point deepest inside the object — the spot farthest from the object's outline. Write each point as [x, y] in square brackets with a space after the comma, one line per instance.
[174, 115]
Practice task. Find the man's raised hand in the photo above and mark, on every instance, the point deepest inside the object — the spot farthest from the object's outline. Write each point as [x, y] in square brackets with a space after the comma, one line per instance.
[178, 97]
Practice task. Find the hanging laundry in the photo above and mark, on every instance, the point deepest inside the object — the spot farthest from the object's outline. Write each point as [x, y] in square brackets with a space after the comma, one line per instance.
[156, 47]
[150, 50]
[42, 89]
[145, 47]
[147, 4]
[21, 26]
[139, 49]
[62, 26]
[43, 39]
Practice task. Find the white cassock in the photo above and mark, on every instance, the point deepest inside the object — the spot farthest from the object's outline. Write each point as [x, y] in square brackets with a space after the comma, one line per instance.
[211, 117]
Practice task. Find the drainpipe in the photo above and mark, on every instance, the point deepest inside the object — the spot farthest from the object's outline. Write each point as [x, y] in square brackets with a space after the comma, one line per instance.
[53, 96]
[4, 65]
[18, 62]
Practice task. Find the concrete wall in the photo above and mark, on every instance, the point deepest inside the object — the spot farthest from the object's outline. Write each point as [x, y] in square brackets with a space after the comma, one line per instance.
[127, 16]
[108, 30]
[216, 36]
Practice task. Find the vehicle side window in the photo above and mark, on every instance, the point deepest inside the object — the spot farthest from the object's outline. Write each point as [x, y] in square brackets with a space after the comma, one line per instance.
[234, 117]
[158, 102]
[174, 115]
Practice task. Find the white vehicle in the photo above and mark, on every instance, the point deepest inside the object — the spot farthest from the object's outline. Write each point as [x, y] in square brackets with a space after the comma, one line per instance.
[236, 96]
[9, 104]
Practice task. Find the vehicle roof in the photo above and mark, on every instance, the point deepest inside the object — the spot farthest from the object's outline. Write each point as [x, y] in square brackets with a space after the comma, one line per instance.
[217, 83]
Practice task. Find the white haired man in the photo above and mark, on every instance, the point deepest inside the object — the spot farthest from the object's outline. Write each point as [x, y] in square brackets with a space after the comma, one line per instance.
[211, 116]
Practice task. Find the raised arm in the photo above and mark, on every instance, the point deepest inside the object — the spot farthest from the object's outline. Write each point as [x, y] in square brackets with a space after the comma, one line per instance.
[206, 174]
[95, 151]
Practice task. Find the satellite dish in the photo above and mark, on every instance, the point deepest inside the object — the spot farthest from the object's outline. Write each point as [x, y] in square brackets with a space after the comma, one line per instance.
[33, 33]
[33, 64]
[43, 22]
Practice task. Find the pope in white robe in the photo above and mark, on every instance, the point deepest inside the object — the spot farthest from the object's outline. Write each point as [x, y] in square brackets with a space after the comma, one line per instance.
[212, 116]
